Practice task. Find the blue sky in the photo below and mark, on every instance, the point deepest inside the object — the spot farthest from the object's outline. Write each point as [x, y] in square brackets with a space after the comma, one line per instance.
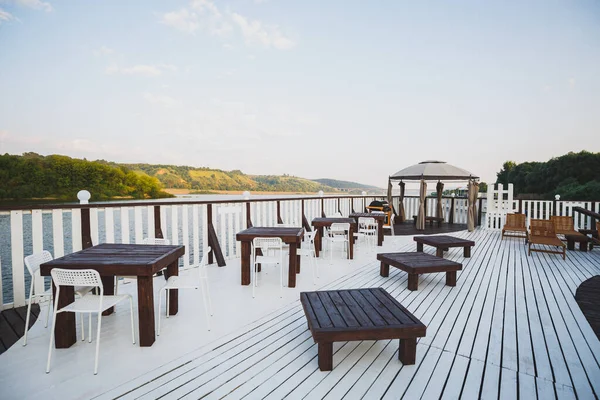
[349, 90]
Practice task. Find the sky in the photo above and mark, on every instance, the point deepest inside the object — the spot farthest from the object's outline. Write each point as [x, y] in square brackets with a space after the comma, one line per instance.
[348, 90]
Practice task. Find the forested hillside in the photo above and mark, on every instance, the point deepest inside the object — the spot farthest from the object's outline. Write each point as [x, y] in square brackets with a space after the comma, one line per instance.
[32, 176]
[343, 184]
[575, 176]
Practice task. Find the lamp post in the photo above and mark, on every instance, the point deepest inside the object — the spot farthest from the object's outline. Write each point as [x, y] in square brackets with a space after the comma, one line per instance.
[83, 196]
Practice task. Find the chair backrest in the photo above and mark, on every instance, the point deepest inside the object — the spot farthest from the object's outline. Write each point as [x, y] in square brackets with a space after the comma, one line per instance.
[76, 277]
[339, 228]
[33, 261]
[159, 241]
[366, 221]
[516, 221]
[267, 243]
[541, 227]
[562, 223]
[309, 236]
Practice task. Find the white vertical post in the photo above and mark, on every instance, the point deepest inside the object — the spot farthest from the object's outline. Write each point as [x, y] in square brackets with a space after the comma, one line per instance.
[185, 233]
[203, 210]
[195, 234]
[174, 225]
[76, 229]
[18, 268]
[37, 238]
[109, 224]
[151, 222]
[125, 225]
[230, 232]
[57, 233]
[94, 226]
[137, 221]
[221, 213]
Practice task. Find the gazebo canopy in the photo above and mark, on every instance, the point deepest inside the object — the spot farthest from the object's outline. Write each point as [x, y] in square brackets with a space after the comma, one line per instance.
[433, 170]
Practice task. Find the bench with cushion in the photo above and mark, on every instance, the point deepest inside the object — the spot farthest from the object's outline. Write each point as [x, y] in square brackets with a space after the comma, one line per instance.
[359, 314]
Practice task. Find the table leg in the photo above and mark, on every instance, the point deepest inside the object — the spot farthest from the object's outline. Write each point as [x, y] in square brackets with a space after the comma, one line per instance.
[351, 242]
[146, 311]
[173, 270]
[420, 247]
[413, 281]
[407, 353]
[298, 258]
[450, 278]
[439, 252]
[570, 244]
[380, 232]
[320, 238]
[65, 333]
[467, 251]
[245, 263]
[384, 270]
[317, 243]
[583, 246]
[108, 283]
[325, 356]
[292, 267]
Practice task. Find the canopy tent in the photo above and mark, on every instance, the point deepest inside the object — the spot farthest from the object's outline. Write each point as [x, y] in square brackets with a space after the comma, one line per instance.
[433, 171]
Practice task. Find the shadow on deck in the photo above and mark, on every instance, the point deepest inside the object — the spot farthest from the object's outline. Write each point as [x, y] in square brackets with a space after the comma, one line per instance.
[12, 325]
[408, 228]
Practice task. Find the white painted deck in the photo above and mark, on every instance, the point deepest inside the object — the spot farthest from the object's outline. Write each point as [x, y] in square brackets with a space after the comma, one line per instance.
[509, 329]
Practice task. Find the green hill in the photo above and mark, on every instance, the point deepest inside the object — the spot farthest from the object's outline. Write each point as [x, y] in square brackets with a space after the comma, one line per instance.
[345, 184]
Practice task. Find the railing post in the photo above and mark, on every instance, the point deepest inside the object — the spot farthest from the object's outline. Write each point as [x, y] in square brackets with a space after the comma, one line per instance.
[248, 216]
[339, 209]
[86, 235]
[451, 218]
[520, 206]
[305, 222]
[279, 220]
[322, 207]
[157, 223]
[213, 242]
[479, 211]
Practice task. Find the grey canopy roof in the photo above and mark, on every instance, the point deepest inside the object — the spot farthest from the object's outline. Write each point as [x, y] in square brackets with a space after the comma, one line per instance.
[433, 170]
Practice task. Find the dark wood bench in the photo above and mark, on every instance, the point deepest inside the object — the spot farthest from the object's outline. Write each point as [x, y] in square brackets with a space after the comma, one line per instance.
[416, 264]
[359, 314]
[431, 220]
[443, 243]
[582, 239]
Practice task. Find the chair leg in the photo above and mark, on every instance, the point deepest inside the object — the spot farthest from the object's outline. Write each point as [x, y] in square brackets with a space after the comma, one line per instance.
[97, 343]
[159, 308]
[167, 294]
[131, 315]
[89, 327]
[210, 309]
[205, 301]
[27, 318]
[116, 285]
[48, 312]
[51, 340]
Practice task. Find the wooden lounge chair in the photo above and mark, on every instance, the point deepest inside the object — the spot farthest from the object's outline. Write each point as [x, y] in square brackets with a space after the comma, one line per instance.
[542, 233]
[516, 225]
[564, 226]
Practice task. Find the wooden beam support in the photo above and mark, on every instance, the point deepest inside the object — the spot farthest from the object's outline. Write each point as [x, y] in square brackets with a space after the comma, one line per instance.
[213, 242]
[451, 218]
[157, 223]
[279, 220]
[86, 236]
[323, 208]
[248, 216]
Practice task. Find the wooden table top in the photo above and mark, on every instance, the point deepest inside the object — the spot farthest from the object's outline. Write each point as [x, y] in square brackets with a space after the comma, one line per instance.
[288, 235]
[419, 263]
[446, 241]
[327, 221]
[377, 216]
[358, 314]
[118, 259]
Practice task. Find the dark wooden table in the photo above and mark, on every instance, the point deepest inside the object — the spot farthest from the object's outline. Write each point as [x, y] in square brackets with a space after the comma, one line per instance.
[359, 314]
[431, 220]
[320, 223]
[582, 239]
[380, 218]
[416, 264]
[443, 243]
[112, 260]
[291, 236]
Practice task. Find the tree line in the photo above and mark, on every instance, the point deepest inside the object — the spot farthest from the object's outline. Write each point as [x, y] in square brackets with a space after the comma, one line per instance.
[32, 176]
[574, 176]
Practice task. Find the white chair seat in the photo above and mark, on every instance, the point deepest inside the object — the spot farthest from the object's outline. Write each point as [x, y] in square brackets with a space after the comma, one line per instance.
[91, 303]
[181, 282]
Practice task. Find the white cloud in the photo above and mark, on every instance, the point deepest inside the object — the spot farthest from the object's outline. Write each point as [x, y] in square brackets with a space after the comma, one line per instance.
[571, 83]
[210, 16]
[35, 4]
[182, 20]
[162, 100]
[103, 51]
[5, 16]
[255, 31]
[140, 70]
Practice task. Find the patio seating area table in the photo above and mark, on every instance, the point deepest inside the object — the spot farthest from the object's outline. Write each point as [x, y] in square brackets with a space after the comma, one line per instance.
[380, 218]
[443, 243]
[580, 238]
[110, 260]
[320, 223]
[416, 264]
[359, 314]
[291, 236]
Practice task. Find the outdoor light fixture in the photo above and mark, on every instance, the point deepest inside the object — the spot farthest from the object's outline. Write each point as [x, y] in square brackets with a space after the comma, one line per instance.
[83, 196]
[246, 195]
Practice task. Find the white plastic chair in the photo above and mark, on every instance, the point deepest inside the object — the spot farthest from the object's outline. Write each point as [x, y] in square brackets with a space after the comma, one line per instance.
[391, 225]
[367, 228]
[189, 282]
[272, 250]
[308, 249]
[88, 304]
[338, 233]
[156, 241]
[33, 262]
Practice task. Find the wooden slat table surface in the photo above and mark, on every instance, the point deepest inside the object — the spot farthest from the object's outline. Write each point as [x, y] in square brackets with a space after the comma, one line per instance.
[110, 260]
[443, 243]
[416, 264]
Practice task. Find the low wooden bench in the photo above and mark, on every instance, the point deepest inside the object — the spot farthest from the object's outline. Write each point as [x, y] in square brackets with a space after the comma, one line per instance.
[416, 264]
[580, 238]
[443, 243]
[431, 220]
[359, 314]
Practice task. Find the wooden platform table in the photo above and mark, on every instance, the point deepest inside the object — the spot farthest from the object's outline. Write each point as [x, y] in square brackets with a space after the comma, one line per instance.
[416, 264]
[320, 223]
[580, 238]
[380, 218]
[110, 260]
[291, 236]
[443, 243]
[359, 314]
